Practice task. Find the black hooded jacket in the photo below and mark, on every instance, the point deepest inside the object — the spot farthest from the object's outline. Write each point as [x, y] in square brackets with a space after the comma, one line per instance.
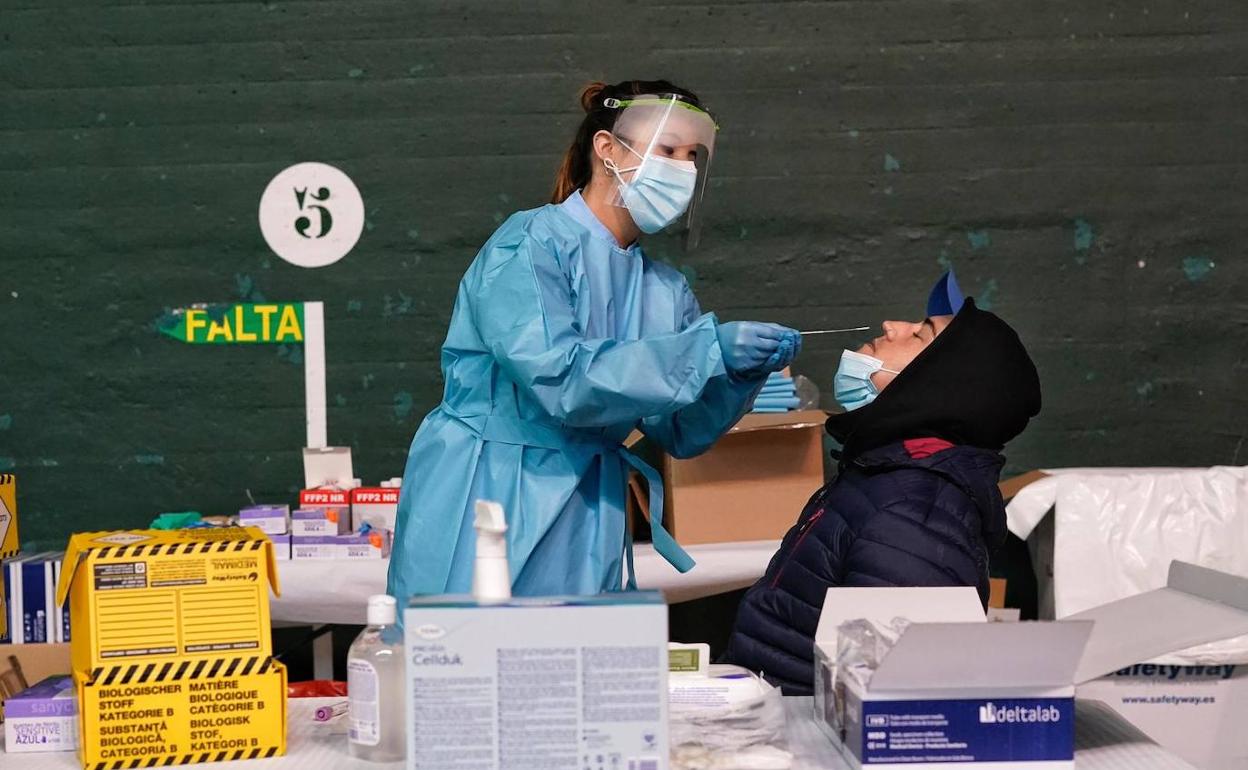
[916, 501]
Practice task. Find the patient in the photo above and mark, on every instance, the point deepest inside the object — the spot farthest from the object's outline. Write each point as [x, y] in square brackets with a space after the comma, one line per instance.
[929, 407]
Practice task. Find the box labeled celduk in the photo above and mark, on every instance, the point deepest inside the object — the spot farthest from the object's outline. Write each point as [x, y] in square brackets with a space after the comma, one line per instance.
[155, 595]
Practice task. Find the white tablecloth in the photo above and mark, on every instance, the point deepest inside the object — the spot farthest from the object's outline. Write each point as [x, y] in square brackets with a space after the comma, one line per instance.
[1103, 742]
[336, 591]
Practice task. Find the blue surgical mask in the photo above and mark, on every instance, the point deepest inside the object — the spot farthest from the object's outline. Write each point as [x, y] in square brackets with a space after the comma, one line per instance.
[659, 192]
[852, 384]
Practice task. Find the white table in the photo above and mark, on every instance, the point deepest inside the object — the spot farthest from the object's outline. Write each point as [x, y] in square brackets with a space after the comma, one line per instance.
[1103, 741]
[318, 591]
[332, 591]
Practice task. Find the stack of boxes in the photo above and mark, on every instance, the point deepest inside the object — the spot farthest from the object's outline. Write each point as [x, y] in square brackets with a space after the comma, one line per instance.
[272, 520]
[172, 662]
[324, 526]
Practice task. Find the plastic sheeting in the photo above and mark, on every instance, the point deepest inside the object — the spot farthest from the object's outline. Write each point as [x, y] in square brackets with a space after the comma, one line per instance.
[1116, 531]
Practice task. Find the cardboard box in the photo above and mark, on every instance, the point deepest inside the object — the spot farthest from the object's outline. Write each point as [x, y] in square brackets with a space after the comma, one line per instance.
[42, 718]
[24, 665]
[9, 544]
[181, 711]
[160, 595]
[376, 506]
[994, 696]
[269, 519]
[1196, 712]
[537, 682]
[320, 522]
[752, 485]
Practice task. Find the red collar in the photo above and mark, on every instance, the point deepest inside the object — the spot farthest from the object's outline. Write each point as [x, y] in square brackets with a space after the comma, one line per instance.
[920, 448]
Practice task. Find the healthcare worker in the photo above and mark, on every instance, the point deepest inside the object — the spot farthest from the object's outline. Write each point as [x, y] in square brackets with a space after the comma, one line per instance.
[565, 338]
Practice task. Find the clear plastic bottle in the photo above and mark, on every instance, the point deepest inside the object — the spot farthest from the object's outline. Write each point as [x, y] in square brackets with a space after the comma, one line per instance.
[375, 679]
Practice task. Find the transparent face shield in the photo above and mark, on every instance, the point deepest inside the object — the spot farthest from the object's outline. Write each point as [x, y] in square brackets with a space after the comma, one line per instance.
[664, 148]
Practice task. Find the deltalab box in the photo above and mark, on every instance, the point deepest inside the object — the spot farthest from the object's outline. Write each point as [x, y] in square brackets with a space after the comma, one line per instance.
[996, 696]
[171, 651]
[544, 682]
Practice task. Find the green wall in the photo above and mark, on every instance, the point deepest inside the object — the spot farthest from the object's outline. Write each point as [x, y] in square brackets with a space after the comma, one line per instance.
[1083, 165]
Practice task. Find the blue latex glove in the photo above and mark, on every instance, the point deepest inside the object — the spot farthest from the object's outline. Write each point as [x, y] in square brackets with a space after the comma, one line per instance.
[752, 348]
[790, 346]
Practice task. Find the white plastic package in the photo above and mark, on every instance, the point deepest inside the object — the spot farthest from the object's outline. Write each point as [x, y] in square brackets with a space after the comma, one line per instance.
[728, 719]
[860, 647]
[1116, 530]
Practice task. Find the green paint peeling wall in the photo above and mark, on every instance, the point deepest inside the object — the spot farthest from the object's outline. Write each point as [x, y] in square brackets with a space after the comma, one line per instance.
[1080, 163]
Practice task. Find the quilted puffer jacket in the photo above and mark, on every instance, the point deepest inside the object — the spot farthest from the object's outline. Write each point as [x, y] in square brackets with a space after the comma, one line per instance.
[894, 517]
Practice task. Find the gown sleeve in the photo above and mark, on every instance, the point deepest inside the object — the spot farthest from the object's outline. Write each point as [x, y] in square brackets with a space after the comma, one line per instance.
[692, 429]
[522, 308]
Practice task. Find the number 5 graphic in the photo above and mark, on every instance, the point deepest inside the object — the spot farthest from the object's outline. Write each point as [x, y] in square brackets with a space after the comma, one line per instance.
[303, 223]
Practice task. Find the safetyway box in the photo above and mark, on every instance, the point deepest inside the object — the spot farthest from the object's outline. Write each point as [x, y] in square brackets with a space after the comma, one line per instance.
[181, 712]
[155, 595]
[993, 696]
[8, 516]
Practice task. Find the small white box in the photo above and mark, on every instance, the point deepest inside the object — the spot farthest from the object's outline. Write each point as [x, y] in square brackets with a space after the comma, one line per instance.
[42, 718]
[281, 547]
[586, 673]
[374, 544]
[1000, 696]
[315, 547]
[270, 519]
[320, 522]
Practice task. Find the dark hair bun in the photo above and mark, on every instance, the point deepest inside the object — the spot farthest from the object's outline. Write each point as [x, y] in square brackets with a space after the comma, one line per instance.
[590, 95]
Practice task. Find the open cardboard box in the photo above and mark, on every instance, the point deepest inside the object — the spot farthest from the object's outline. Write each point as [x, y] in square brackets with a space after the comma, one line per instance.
[751, 485]
[23, 665]
[992, 696]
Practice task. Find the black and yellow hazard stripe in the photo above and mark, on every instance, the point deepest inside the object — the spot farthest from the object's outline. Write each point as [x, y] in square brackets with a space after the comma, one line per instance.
[176, 671]
[177, 549]
[186, 759]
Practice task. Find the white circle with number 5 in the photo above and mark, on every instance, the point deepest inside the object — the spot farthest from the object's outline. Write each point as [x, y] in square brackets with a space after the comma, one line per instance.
[311, 214]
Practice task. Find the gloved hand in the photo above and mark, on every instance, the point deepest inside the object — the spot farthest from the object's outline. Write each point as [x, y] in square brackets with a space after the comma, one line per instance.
[751, 348]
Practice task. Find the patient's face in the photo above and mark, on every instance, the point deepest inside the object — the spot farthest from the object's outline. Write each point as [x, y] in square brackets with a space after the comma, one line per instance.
[901, 343]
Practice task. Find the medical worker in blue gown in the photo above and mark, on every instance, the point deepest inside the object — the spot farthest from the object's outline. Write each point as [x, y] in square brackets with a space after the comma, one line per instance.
[565, 338]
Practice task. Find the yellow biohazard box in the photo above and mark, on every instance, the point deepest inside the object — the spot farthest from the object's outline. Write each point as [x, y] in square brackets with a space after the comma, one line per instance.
[156, 595]
[179, 712]
[8, 516]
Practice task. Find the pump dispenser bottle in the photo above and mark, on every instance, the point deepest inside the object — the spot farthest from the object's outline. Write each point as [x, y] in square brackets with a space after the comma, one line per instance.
[375, 678]
[491, 577]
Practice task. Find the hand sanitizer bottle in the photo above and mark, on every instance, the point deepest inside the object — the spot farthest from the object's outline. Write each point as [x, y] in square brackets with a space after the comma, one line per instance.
[375, 678]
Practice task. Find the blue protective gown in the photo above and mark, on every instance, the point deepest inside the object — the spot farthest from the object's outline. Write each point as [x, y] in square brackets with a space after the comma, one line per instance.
[560, 344]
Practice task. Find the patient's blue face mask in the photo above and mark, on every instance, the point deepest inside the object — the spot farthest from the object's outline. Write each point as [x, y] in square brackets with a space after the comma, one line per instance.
[852, 384]
[659, 191]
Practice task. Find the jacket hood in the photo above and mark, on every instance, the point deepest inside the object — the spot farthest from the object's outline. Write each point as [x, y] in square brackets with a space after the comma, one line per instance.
[974, 385]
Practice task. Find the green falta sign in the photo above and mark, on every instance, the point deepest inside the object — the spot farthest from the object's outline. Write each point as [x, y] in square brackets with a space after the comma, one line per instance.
[245, 324]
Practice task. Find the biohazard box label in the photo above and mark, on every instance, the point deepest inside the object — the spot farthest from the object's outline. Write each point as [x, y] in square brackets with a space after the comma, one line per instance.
[149, 714]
